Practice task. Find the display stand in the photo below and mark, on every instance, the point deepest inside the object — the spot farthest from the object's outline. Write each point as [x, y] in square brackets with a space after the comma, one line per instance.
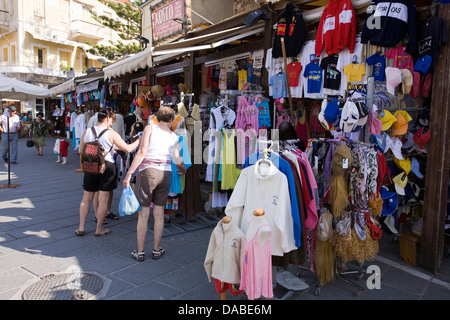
[9, 185]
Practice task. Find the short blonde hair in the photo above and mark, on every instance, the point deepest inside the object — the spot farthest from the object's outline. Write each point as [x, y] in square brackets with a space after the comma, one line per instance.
[165, 114]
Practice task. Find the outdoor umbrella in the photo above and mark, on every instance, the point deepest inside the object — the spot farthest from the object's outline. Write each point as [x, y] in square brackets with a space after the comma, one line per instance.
[18, 90]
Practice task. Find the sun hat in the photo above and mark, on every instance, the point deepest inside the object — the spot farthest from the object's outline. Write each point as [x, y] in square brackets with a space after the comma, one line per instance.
[387, 119]
[400, 182]
[349, 117]
[393, 79]
[325, 226]
[158, 90]
[415, 168]
[404, 164]
[421, 138]
[390, 201]
[141, 100]
[407, 81]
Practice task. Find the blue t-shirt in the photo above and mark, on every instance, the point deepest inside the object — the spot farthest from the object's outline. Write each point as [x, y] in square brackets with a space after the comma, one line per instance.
[379, 64]
[278, 83]
[313, 72]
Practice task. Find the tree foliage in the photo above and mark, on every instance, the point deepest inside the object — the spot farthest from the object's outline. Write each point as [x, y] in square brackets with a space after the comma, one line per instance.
[128, 27]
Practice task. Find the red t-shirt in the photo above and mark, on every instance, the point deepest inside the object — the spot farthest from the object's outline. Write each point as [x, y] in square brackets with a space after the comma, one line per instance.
[294, 69]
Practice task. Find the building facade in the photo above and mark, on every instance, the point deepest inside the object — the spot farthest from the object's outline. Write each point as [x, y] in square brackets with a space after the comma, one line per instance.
[43, 42]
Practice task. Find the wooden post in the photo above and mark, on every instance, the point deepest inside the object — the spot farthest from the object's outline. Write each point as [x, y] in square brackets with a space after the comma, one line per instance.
[438, 156]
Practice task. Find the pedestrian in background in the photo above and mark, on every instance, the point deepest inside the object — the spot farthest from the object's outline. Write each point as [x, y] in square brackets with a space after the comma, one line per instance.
[153, 160]
[107, 181]
[37, 132]
[14, 127]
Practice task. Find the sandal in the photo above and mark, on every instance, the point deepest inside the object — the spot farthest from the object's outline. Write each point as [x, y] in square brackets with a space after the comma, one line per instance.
[104, 221]
[157, 254]
[104, 232]
[79, 233]
[139, 256]
[112, 216]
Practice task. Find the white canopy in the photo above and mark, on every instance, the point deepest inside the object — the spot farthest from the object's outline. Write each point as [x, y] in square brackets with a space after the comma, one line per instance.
[15, 89]
[142, 60]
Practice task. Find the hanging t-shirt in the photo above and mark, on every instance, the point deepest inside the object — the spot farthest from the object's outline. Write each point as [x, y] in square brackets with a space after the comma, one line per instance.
[294, 69]
[242, 78]
[332, 75]
[223, 77]
[354, 72]
[250, 70]
[402, 59]
[432, 35]
[278, 84]
[379, 65]
[313, 72]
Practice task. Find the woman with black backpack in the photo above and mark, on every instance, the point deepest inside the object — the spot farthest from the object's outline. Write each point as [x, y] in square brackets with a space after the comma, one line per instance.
[106, 180]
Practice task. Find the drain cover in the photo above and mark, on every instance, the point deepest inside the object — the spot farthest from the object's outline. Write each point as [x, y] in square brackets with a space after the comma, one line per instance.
[66, 286]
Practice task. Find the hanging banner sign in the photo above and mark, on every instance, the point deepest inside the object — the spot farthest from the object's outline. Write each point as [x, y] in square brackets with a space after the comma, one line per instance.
[162, 19]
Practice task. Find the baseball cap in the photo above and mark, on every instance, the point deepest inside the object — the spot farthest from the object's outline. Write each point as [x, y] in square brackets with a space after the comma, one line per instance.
[407, 81]
[393, 79]
[387, 119]
[395, 144]
[349, 116]
[12, 108]
[423, 64]
[381, 141]
[321, 118]
[421, 138]
[415, 168]
[331, 112]
[390, 201]
[400, 182]
[399, 127]
[404, 164]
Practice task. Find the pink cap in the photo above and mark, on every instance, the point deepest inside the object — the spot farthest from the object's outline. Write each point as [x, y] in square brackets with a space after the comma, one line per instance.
[393, 79]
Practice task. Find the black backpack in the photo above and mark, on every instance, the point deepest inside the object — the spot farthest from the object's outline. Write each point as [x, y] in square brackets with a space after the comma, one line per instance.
[93, 155]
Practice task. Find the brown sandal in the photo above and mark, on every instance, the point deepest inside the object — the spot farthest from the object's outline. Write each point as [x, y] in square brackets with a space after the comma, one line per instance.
[104, 232]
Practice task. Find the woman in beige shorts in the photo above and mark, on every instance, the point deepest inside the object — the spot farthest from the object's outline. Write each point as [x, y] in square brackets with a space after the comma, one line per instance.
[159, 144]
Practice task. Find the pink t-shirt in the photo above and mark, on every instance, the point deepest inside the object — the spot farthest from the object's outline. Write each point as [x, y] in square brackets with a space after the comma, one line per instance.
[402, 60]
[256, 268]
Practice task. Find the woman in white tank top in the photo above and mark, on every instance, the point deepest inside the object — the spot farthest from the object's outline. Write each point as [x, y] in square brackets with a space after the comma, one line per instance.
[153, 162]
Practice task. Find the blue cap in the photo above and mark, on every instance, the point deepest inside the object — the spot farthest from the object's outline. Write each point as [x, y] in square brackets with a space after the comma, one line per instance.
[390, 201]
[331, 112]
[423, 64]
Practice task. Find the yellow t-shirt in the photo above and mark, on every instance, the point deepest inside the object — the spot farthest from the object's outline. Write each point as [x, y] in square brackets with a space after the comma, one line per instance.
[354, 72]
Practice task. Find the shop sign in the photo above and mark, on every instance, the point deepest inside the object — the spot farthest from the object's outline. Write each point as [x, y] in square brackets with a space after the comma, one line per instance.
[162, 19]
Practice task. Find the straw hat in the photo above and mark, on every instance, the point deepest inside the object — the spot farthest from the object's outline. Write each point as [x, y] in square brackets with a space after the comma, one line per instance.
[158, 90]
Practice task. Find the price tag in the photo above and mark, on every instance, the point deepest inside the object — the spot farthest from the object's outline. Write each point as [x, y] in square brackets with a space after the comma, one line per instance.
[345, 163]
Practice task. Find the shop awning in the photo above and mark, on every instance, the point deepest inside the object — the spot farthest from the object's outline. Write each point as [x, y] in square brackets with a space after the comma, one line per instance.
[64, 87]
[208, 41]
[142, 60]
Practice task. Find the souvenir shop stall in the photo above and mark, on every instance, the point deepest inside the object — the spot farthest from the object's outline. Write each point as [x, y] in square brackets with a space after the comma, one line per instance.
[348, 163]
[184, 197]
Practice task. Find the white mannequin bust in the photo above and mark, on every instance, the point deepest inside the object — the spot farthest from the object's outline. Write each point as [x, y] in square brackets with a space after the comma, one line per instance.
[257, 221]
